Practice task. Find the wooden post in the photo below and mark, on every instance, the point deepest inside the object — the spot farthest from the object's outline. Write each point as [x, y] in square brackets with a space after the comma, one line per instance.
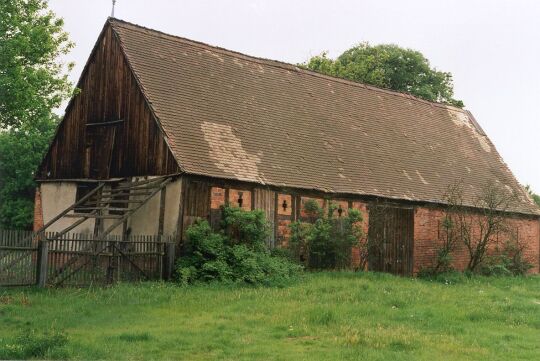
[168, 260]
[43, 255]
[180, 224]
[161, 219]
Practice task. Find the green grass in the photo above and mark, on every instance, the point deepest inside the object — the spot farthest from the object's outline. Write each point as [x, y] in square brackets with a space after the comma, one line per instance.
[325, 316]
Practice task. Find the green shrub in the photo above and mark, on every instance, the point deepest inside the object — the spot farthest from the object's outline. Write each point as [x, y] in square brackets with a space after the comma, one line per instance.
[237, 253]
[508, 260]
[33, 344]
[492, 266]
[244, 227]
[514, 256]
[204, 256]
[325, 241]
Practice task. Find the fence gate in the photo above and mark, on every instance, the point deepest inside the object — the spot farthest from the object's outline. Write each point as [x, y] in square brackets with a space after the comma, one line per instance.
[55, 259]
[18, 258]
[390, 239]
[79, 260]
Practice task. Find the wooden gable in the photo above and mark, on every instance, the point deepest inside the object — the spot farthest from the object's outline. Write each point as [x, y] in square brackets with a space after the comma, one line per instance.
[109, 130]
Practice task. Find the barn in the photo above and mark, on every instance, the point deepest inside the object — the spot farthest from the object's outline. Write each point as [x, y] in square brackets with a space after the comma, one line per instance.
[165, 130]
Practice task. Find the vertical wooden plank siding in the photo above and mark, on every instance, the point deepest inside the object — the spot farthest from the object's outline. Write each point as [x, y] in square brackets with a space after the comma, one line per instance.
[265, 200]
[109, 92]
[196, 202]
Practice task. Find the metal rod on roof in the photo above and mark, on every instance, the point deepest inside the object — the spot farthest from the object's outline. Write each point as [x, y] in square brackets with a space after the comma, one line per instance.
[112, 11]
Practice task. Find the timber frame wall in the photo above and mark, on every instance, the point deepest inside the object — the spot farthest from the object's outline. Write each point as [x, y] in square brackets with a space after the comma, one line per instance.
[415, 226]
[202, 197]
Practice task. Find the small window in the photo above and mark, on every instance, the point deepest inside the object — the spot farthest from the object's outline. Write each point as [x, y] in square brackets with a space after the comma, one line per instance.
[82, 190]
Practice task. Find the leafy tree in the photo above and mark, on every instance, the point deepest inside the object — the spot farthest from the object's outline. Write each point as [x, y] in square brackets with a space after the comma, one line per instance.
[33, 82]
[389, 66]
[536, 198]
[21, 150]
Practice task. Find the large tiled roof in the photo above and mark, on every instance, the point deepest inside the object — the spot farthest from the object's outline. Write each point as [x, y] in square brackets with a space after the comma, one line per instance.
[229, 115]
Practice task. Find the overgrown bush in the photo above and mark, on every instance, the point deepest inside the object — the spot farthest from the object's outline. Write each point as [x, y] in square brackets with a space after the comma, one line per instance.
[235, 253]
[508, 260]
[244, 227]
[324, 240]
[33, 344]
[478, 229]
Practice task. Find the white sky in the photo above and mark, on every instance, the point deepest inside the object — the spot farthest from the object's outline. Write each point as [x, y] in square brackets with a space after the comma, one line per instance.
[492, 47]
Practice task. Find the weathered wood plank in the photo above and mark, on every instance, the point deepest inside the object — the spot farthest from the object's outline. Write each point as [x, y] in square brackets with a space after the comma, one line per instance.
[109, 92]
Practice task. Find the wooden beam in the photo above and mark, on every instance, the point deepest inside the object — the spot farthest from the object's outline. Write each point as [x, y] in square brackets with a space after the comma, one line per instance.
[74, 205]
[114, 122]
[162, 200]
[114, 201]
[180, 222]
[79, 209]
[112, 195]
[43, 256]
[97, 216]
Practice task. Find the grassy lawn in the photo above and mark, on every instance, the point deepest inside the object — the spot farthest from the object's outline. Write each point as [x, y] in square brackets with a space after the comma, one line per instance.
[325, 316]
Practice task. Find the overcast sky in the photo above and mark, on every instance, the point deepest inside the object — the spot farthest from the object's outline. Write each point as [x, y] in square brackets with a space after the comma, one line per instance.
[491, 47]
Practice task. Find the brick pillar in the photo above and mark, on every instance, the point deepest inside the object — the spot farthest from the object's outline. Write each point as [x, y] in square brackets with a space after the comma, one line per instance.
[38, 210]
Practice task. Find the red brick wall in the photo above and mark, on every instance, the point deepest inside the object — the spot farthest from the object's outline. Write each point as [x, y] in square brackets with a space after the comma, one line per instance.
[529, 231]
[234, 196]
[38, 210]
[284, 219]
[427, 226]
[217, 197]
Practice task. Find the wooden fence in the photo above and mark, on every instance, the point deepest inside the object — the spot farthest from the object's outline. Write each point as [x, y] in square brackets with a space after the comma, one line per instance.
[18, 258]
[45, 259]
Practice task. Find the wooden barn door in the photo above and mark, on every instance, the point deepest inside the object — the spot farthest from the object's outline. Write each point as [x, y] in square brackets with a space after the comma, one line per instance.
[99, 148]
[390, 238]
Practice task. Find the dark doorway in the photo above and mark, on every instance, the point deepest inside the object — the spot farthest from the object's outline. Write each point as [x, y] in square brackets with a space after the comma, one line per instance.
[390, 239]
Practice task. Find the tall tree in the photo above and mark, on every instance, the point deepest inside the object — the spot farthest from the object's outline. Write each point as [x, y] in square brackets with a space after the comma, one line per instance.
[33, 82]
[389, 66]
[21, 150]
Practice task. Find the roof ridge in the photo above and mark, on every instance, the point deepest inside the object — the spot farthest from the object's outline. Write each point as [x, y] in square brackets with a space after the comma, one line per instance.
[287, 66]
